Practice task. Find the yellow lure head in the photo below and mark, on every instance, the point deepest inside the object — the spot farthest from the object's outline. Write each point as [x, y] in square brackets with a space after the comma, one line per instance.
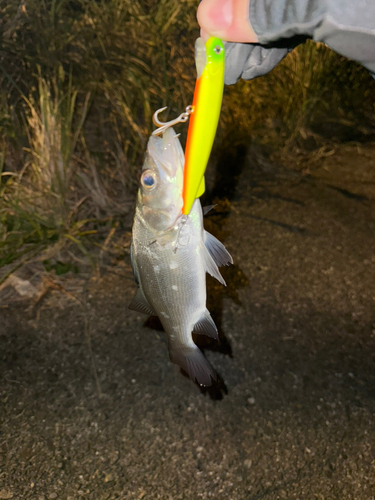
[208, 95]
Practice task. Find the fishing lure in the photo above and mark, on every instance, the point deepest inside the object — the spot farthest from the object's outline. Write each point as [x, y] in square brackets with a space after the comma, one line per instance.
[208, 95]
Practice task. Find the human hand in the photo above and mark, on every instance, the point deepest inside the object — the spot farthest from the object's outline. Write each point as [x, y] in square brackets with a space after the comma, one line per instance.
[259, 33]
[244, 57]
[226, 19]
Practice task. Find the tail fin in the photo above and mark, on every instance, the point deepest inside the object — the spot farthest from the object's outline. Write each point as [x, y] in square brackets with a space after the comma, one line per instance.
[192, 361]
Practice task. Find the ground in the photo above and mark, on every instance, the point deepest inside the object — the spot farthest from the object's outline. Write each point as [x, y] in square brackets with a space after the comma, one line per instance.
[92, 408]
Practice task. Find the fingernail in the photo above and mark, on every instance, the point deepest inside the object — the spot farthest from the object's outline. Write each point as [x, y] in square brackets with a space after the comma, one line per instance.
[220, 14]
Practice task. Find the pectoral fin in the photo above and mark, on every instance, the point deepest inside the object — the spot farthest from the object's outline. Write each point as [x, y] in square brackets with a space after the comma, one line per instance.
[133, 264]
[140, 304]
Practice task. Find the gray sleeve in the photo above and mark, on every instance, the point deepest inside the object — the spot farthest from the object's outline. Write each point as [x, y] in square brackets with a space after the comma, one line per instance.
[347, 27]
[248, 60]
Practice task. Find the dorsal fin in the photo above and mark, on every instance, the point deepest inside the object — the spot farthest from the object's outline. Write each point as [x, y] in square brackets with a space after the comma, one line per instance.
[217, 250]
[206, 326]
[208, 209]
[210, 265]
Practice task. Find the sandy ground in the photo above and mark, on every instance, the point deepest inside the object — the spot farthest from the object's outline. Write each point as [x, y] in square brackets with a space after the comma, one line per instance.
[91, 407]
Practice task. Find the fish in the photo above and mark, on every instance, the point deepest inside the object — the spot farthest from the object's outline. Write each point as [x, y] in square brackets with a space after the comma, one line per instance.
[171, 254]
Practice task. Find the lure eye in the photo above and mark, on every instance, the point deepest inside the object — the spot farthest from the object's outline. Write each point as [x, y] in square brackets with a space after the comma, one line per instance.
[218, 49]
[148, 180]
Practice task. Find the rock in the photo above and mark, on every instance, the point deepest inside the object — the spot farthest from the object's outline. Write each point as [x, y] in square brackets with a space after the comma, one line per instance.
[22, 287]
[108, 477]
[5, 494]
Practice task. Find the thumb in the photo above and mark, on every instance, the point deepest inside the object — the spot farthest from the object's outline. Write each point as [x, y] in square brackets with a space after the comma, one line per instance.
[226, 19]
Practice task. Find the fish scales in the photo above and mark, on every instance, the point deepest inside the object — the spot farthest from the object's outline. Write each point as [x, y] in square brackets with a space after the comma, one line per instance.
[171, 254]
[167, 289]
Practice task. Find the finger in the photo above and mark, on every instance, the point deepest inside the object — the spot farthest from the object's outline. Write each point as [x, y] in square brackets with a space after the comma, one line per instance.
[226, 19]
[204, 35]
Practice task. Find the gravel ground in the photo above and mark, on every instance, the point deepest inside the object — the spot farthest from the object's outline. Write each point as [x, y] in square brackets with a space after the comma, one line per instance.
[92, 408]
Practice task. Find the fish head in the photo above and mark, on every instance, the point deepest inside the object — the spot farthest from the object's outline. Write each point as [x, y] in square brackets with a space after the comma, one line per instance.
[160, 191]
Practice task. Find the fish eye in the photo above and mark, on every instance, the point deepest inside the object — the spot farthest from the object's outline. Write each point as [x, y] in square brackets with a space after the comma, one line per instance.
[148, 180]
[218, 49]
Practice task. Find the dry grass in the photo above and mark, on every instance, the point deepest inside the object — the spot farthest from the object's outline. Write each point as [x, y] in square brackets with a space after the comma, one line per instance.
[310, 86]
[80, 81]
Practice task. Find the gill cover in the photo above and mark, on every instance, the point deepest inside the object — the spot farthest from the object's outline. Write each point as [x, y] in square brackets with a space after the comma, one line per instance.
[208, 95]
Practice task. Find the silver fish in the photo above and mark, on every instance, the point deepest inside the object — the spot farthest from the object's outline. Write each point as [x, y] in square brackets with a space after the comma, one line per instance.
[171, 254]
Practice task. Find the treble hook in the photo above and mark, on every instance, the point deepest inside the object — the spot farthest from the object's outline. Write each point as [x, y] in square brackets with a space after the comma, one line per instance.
[162, 127]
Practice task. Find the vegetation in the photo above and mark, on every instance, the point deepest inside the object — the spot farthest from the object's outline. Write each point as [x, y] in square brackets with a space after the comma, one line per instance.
[79, 83]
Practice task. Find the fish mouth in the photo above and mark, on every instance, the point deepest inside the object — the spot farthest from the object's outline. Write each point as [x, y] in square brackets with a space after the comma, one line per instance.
[167, 152]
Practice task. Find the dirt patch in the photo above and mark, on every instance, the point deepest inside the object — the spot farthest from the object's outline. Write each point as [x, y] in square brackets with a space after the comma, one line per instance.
[91, 406]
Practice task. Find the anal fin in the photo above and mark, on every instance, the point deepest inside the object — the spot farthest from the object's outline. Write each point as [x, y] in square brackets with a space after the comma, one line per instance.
[206, 326]
[140, 304]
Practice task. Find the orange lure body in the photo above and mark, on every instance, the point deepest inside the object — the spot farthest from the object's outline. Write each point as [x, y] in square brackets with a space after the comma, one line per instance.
[208, 95]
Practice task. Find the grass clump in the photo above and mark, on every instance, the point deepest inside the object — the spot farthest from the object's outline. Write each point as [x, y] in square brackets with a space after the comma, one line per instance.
[312, 87]
[80, 81]
[53, 138]
[39, 204]
[78, 163]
